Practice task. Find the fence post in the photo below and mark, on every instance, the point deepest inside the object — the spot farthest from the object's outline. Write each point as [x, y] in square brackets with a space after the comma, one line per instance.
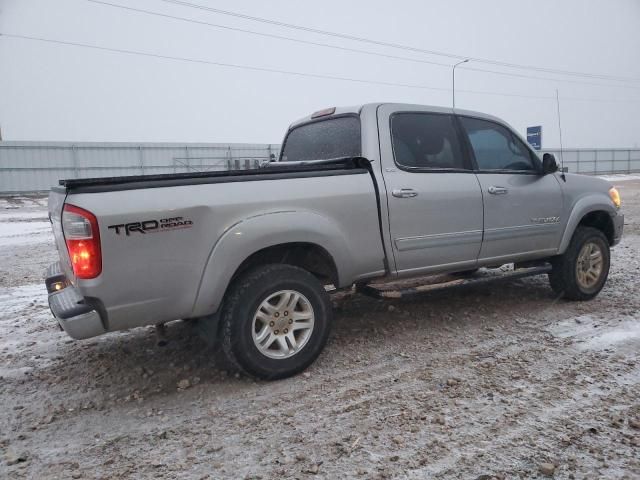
[141, 158]
[628, 161]
[74, 153]
[595, 168]
[186, 159]
[613, 160]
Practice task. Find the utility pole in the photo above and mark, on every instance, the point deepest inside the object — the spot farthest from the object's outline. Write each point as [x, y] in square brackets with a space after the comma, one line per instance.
[560, 130]
[453, 80]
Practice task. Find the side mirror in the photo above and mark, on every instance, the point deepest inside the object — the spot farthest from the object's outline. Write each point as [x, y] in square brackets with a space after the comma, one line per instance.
[549, 164]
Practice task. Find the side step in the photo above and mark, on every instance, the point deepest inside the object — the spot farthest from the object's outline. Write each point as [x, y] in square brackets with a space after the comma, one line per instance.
[397, 290]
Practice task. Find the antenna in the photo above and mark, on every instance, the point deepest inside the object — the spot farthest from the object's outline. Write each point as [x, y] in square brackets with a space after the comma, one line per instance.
[560, 129]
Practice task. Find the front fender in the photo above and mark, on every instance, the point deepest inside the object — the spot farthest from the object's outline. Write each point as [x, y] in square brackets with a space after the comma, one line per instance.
[255, 233]
[590, 203]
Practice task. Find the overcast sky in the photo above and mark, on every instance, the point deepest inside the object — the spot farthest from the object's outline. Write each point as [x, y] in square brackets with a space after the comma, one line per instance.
[54, 92]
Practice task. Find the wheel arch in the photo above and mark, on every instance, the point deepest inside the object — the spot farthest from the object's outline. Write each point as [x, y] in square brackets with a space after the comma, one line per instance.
[590, 212]
[304, 239]
[306, 255]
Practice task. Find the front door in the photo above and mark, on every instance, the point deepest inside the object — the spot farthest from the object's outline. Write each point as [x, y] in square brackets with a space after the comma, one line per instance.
[434, 199]
[522, 207]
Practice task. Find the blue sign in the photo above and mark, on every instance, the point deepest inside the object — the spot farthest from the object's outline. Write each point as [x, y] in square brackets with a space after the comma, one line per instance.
[534, 137]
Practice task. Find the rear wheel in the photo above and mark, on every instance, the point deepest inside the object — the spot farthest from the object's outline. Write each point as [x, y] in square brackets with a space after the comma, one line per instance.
[275, 321]
[582, 271]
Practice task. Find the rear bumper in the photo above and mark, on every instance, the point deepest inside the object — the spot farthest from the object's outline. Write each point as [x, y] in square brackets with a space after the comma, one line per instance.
[75, 316]
[618, 226]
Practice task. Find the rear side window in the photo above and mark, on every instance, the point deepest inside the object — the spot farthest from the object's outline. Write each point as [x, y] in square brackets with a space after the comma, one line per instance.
[496, 147]
[323, 140]
[426, 141]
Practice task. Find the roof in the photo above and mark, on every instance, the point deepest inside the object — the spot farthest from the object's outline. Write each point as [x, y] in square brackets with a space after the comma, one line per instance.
[400, 106]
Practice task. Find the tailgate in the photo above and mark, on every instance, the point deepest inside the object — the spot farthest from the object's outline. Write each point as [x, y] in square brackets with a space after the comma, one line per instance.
[56, 203]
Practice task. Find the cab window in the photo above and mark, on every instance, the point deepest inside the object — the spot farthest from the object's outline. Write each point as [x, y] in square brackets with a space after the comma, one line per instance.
[426, 141]
[496, 147]
[323, 140]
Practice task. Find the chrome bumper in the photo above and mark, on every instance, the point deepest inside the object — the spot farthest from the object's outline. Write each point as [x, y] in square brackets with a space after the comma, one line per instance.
[76, 317]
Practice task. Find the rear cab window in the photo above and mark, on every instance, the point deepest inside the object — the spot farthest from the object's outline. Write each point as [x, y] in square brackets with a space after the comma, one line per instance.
[335, 137]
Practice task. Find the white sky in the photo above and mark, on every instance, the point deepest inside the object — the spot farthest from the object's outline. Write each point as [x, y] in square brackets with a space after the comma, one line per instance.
[50, 92]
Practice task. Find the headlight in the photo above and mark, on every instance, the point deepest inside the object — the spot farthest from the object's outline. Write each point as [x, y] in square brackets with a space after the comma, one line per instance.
[615, 196]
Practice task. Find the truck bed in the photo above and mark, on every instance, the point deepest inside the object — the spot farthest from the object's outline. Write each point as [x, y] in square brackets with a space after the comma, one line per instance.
[215, 221]
[272, 171]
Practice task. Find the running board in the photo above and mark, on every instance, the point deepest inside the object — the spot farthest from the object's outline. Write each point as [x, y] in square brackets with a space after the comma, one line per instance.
[388, 291]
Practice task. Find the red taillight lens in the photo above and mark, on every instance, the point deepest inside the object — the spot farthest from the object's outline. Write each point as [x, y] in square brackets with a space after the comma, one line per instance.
[82, 236]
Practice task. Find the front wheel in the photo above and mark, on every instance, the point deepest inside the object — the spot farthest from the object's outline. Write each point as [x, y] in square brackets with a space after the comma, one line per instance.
[581, 272]
[275, 320]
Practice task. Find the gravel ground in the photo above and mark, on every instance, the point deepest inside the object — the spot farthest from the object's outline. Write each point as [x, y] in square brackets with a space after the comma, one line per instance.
[492, 381]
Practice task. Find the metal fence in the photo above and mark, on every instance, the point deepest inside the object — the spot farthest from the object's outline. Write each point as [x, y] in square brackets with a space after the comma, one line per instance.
[599, 161]
[37, 166]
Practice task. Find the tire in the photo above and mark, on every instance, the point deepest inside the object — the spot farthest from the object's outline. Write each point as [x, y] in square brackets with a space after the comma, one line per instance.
[567, 277]
[252, 317]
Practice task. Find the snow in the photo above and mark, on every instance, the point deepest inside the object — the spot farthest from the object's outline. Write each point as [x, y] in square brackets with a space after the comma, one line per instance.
[25, 318]
[19, 215]
[24, 223]
[591, 333]
[15, 300]
[627, 332]
[23, 233]
[620, 177]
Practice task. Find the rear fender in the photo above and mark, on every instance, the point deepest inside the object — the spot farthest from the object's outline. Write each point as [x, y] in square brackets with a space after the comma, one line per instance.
[255, 233]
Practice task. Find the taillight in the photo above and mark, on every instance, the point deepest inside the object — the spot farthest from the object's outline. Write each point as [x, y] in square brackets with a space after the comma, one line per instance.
[82, 236]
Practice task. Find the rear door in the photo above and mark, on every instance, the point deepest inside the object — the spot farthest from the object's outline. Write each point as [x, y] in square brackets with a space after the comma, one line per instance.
[434, 199]
[522, 207]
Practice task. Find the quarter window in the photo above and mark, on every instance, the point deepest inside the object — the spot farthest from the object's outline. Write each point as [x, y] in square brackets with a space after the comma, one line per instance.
[496, 147]
[426, 141]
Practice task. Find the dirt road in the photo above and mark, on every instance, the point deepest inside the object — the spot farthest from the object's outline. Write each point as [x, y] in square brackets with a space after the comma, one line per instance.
[496, 381]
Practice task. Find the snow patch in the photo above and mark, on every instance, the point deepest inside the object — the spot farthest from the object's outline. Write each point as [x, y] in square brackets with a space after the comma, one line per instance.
[18, 215]
[626, 332]
[591, 333]
[15, 300]
[23, 233]
[621, 177]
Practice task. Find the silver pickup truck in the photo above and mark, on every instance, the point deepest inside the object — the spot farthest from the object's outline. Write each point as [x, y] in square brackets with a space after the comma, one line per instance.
[359, 193]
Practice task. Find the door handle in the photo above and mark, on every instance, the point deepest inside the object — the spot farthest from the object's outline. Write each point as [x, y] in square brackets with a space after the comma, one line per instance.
[404, 192]
[495, 190]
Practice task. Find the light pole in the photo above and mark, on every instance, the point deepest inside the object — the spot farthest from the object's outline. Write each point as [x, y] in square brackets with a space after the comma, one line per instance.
[453, 80]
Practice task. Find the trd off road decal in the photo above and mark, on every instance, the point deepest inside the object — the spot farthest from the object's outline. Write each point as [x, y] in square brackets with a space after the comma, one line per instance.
[152, 226]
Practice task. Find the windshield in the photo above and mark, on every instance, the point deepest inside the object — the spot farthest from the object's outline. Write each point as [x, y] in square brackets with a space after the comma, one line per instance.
[331, 138]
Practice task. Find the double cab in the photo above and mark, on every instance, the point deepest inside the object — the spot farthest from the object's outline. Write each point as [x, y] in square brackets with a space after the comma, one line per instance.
[378, 191]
